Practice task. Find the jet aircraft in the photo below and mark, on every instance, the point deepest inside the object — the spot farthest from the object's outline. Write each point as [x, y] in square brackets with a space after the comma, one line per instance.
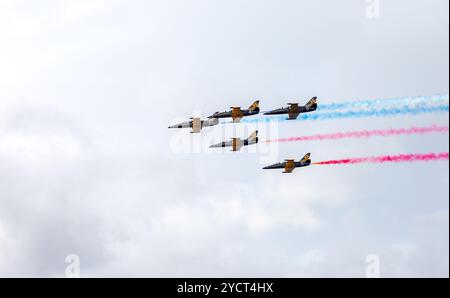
[289, 165]
[196, 124]
[294, 109]
[236, 144]
[237, 113]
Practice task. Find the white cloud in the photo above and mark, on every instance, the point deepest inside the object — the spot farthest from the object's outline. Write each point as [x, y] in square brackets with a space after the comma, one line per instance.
[76, 10]
[4, 246]
[39, 150]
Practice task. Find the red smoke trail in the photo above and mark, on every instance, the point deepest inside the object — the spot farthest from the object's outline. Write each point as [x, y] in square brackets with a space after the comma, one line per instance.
[367, 134]
[389, 158]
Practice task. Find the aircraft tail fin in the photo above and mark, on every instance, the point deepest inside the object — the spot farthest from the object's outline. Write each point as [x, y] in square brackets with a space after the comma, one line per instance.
[253, 136]
[254, 106]
[312, 102]
[306, 157]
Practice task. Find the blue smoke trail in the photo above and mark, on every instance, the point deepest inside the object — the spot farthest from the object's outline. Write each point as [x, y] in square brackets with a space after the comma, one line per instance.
[381, 102]
[356, 114]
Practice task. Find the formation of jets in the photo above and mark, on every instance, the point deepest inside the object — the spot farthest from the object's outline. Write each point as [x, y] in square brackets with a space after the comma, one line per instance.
[236, 114]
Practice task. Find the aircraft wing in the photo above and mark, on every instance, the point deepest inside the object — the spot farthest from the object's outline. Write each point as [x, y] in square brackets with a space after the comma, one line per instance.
[236, 144]
[196, 125]
[237, 114]
[294, 111]
[293, 116]
[289, 166]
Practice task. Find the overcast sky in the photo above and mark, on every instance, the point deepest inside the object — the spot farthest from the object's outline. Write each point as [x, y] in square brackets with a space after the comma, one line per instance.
[88, 166]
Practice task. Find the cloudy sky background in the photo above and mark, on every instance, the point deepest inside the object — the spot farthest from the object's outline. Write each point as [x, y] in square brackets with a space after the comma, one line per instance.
[88, 166]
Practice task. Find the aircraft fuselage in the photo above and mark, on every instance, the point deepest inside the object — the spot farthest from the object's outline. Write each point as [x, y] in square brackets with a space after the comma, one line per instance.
[301, 109]
[282, 165]
[229, 114]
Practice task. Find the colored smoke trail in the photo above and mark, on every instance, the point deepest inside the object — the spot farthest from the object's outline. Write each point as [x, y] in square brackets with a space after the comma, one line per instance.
[383, 102]
[356, 114]
[366, 134]
[389, 159]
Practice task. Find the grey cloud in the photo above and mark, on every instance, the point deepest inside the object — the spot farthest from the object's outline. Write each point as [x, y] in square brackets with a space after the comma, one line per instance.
[86, 165]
